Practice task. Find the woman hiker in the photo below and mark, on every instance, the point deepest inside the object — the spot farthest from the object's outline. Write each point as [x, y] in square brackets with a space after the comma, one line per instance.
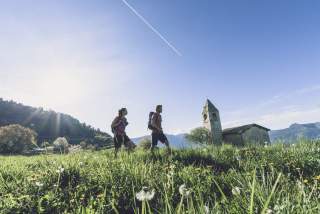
[118, 128]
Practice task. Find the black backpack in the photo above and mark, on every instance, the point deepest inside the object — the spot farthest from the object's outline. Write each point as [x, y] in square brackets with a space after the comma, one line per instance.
[150, 119]
[113, 129]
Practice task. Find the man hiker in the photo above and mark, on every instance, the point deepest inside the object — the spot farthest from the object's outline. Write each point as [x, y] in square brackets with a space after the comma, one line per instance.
[118, 128]
[155, 121]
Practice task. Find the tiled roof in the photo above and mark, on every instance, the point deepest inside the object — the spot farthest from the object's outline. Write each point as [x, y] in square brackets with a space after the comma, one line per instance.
[241, 129]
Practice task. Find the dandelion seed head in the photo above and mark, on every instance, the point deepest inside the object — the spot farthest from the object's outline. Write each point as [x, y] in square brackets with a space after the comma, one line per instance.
[184, 191]
[269, 211]
[39, 184]
[236, 191]
[60, 170]
[145, 194]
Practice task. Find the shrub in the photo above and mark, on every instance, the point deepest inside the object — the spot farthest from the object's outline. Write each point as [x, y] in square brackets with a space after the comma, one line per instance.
[83, 144]
[91, 147]
[199, 135]
[15, 139]
[101, 141]
[61, 145]
[45, 144]
[145, 144]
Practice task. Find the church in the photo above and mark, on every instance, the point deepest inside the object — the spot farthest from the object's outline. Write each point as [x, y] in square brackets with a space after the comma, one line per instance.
[240, 136]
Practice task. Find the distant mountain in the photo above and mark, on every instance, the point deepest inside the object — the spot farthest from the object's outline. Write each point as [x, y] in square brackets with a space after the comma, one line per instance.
[288, 135]
[176, 141]
[296, 131]
[49, 124]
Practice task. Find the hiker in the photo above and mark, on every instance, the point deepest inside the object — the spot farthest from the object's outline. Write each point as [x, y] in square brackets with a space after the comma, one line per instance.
[118, 127]
[155, 121]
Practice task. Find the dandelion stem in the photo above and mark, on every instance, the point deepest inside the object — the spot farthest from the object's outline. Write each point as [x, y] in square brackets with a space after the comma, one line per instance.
[180, 204]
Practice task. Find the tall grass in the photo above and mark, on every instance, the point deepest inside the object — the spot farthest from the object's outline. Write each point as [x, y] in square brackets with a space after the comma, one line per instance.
[277, 179]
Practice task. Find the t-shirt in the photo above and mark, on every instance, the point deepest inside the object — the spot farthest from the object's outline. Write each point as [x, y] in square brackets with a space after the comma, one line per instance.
[156, 121]
[120, 125]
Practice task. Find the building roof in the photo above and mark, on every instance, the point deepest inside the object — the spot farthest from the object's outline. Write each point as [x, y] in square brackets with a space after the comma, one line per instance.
[241, 129]
[210, 105]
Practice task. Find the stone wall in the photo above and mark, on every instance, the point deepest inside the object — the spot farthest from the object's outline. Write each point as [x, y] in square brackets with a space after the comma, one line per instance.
[256, 135]
[234, 139]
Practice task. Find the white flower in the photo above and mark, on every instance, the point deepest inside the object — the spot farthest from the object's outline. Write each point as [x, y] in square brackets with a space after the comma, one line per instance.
[172, 166]
[81, 163]
[60, 169]
[236, 191]
[278, 207]
[238, 158]
[265, 146]
[145, 194]
[184, 191]
[269, 211]
[206, 209]
[39, 184]
[300, 185]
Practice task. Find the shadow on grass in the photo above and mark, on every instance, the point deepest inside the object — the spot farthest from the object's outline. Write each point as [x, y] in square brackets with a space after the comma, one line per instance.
[188, 158]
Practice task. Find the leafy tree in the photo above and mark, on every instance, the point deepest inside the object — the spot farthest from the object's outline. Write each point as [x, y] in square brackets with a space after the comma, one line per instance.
[101, 141]
[61, 145]
[16, 139]
[199, 135]
[145, 143]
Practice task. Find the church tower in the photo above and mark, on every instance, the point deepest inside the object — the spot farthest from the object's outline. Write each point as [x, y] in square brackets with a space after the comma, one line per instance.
[211, 121]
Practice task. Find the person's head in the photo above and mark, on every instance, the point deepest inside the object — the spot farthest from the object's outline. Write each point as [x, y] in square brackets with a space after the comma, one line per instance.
[159, 108]
[123, 112]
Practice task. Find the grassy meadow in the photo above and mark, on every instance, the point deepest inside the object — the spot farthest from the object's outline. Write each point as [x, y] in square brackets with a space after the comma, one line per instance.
[225, 179]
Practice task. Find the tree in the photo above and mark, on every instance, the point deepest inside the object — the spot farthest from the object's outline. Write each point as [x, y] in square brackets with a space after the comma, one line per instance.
[16, 139]
[101, 141]
[61, 145]
[145, 143]
[199, 135]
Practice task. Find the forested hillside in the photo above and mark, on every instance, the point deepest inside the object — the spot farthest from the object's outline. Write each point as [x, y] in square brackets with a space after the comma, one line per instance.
[48, 124]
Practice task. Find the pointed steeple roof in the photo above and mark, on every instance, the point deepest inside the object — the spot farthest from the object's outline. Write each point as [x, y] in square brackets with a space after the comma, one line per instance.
[210, 106]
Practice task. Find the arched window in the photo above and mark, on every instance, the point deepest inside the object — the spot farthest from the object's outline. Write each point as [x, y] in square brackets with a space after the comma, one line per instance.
[205, 116]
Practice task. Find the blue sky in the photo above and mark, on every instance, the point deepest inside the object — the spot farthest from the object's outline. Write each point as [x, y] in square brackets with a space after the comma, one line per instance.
[257, 60]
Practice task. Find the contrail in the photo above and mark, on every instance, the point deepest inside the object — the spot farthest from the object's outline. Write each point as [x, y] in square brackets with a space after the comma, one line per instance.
[152, 28]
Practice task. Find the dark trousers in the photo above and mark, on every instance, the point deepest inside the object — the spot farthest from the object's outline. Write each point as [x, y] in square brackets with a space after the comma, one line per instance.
[159, 136]
[120, 140]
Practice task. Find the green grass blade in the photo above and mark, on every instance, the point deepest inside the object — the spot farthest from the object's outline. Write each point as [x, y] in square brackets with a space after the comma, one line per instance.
[265, 207]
